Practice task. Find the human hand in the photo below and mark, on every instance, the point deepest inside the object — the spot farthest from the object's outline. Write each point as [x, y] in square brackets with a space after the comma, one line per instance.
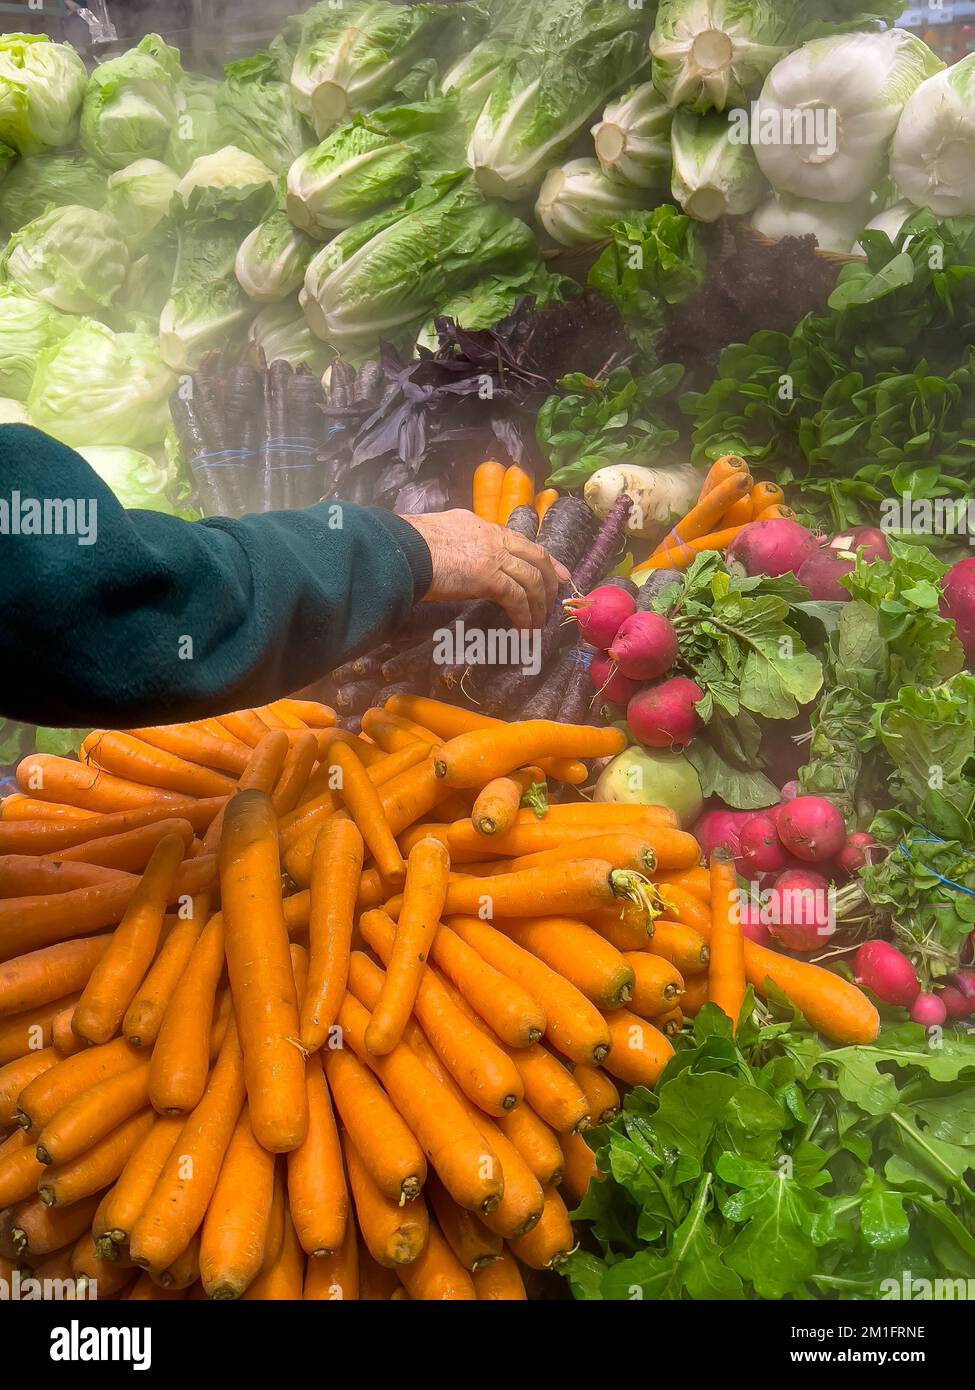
[476, 559]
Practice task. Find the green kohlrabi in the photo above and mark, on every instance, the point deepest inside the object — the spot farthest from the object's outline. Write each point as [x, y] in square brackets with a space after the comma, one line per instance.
[100, 387]
[567, 58]
[578, 203]
[714, 53]
[130, 107]
[41, 87]
[371, 162]
[933, 155]
[822, 125]
[28, 327]
[713, 175]
[72, 257]
[385, 276]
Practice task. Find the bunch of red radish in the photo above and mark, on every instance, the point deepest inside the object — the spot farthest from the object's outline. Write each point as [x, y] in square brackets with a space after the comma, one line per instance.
[775, 849]
[888, 974]
[784, 547]
[636, 648]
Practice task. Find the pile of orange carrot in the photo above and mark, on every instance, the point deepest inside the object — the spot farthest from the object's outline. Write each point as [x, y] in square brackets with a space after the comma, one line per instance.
[496, 491]
[729, 500]
[287, 1012]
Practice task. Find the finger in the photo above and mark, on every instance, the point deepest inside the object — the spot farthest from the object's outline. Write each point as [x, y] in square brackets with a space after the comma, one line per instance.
[539, 557]
[512, 598]
[564, 577]
[530, 580]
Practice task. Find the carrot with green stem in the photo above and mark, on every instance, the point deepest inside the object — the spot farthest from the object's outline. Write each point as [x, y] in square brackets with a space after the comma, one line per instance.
[180, 1060]
[234, 1232]
[122, 968]
[335, 876]
[497, 804]
[261, 975]
[472, 759]
[175, 1210]
[423, 901]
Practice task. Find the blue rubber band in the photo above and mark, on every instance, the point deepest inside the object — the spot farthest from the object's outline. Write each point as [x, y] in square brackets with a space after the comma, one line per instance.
[934, 840]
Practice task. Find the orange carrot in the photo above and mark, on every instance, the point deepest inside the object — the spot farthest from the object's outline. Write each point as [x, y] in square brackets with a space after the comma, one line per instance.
[681, 556]
[511, 1011]
[93, 1114]
[639, 1052]
[696, 881]
[244, 724]
[497, 804]
[39, 978]
[185, 1269]
[544, 500]
[473, 1243]
[393, 734]
[550, 1089]
[680, 905]
[317, 1194]
[234, 1232]
[549, 1243]
[296, 769]
[740, 513]
[144, 1016]
[385, 1144]
[38, 1229]
[175, 1210]
[695, 995]
[19, 807]
[578, 954]
[727, 466]
[118, 974]
[47, 837]
[335, 1277]
[536, 1141]
[20, 1171]
[366, 808]
[48, 1092]
[180, 1060]
[602, 1095]
[126, 756]
[685, 947]
[23, 875]
[766, 495]
[16, 1076]
[311, 712]
[580, 1169]
[658, 984]
[777, 512]
[284, 1279]
[486, 489]
[573, 1025]
[336, 870]
[62, 779]
[423, 899]
[65, 1184]
[627, 926]
[128, 1197]
[500, 1281]
[709, 509]
[394, 1234]
[471, 760]
[30, 1031]
[196, 745]
[262, 771]
[517, 490]
[130, 851]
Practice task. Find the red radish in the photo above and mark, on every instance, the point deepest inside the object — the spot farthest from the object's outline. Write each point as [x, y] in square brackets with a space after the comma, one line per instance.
[869, 541]
[887, 972]
[964, 982]
[600, 613]
[609, 681]
[753, 926]
[645, 646]
[798, 910]
[958, 604]
[771, 547]
[761, 848]
[860, 849]
[663, 715]
[929, 1010]
[822, 572]
[956, 1004]
[812, 828]
[720, 829]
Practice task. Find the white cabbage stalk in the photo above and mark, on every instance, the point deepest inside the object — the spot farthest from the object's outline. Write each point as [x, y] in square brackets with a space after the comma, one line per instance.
[712, 53]
[889, 221]
[578, 202]
[713, 175]
[822, 125]
[633, 138]
[834, 225]
[933, 155]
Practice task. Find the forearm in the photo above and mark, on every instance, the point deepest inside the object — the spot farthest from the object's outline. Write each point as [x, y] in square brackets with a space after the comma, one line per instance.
[160, 619]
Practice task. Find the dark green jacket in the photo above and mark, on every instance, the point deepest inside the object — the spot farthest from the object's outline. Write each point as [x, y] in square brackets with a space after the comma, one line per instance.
[163, 620]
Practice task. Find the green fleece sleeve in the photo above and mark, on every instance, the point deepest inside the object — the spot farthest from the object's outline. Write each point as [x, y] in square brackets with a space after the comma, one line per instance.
[132, 617]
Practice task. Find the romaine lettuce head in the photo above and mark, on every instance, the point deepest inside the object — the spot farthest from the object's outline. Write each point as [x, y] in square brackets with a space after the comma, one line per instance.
[227, 184]
[41, 88]
[568, 58]
[34, 184]
[28, 327]
[715, 53]
[138, 480]
[199, 127]
[578, 203]
[272, 259]
[382, 278]
[713, 176]
[139, 197]
[632, 140]
[472, 76]
[71, 257]
[130, 107]
[258, 113]
[371, 162]
[352, 58]
[198, 318]
[280, 332]
[100, 387]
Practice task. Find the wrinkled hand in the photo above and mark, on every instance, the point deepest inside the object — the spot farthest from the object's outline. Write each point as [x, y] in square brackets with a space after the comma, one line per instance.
[476, 559]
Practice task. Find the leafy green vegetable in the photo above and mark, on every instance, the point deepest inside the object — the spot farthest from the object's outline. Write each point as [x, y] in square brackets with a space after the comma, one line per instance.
[139, 481]
[41, 87]
[772, 1166]
[72, 258]
[272, 259]
[257, 113]
[33, 184]
[130, 105]
[27, 327]
[599, 422]
[139, 197]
